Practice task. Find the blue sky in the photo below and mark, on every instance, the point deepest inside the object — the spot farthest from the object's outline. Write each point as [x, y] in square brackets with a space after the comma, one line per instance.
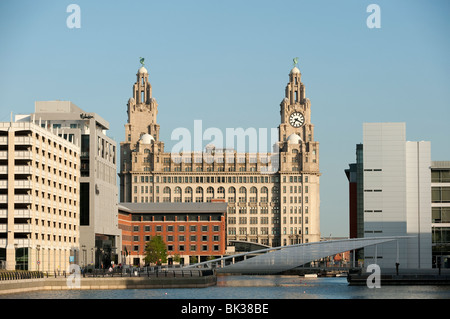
[227, 63]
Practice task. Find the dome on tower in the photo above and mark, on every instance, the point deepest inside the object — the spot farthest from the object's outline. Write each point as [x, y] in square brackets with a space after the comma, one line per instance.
[294, 139]
[295, 70]
[146, 139]
[142, 70]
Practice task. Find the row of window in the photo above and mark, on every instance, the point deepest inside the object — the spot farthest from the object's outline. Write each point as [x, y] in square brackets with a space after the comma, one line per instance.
[440, 176]
[440, 194]
[265, 231]
[61, 212]
[181, 238]
[219, 179]
[57, 159]
[264, 220]
[182, 248]
[180, 228]
[57, 171]
[55, 145]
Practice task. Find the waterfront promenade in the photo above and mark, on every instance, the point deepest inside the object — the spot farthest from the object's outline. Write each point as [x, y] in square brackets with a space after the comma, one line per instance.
[176, 278]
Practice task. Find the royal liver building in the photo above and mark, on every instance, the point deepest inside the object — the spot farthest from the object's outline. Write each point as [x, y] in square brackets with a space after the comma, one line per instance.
[273, 199]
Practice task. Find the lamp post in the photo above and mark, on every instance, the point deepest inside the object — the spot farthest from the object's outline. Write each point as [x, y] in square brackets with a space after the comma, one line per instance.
[15, 255]
[38, 248]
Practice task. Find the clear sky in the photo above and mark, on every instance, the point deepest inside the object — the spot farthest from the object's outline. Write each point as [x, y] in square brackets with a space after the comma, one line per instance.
[227, 63]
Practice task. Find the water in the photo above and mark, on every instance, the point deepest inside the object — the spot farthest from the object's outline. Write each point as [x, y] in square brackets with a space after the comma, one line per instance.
[255, 287]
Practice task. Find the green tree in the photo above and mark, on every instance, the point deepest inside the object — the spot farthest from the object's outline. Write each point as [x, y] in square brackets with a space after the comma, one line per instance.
[155, 251]
[176, 258]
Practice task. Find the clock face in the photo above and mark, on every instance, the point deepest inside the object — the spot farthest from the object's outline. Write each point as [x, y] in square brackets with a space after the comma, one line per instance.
[296, 119]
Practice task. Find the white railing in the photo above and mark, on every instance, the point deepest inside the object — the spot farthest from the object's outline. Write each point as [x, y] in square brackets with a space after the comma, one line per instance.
[23, 213]
[23, 155]
[23, 184]
[22, 199]
[21, 140]
[22, 228]
[22, 169]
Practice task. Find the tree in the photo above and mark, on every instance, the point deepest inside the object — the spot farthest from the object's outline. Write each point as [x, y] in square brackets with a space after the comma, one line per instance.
[155, 251]
[176, 258]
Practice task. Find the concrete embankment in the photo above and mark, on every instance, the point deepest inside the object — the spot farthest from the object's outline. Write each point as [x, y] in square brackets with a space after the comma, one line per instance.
[86, 283]
[405, 277]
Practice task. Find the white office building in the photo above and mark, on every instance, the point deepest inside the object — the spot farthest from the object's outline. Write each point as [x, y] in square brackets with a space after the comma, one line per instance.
[397, 196]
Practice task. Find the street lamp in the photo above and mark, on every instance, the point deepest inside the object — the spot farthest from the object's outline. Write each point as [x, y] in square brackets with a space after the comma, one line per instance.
[38, 247]
[83, 249]
[15, 255]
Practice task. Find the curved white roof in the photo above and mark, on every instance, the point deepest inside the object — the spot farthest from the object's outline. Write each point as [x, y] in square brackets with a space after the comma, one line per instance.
[146, 139]
[142, 70]
[294, 139]
[278, 259]
[295, 70]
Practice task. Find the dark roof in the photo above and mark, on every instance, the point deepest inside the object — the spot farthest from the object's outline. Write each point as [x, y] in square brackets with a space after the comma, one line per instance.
[173, 207]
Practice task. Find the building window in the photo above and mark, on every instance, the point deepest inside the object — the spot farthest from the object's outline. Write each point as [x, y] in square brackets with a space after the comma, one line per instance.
[440, 194]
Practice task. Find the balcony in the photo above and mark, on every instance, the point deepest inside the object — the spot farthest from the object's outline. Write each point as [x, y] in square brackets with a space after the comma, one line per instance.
[3, 155]
[23, 170]
[3, 199]
[23, 184]
[22, 228]
[22, 213]
[3, 213]
[22, 199]
[3, 140]
[23, 155]
[23, 140]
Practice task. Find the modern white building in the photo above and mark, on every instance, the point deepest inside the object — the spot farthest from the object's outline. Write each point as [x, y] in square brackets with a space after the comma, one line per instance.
[39, 198]
[100, 237]
[440, 208]
[397, 196]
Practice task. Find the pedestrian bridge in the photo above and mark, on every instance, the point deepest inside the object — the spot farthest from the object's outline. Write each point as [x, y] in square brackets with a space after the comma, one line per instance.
[278, 259]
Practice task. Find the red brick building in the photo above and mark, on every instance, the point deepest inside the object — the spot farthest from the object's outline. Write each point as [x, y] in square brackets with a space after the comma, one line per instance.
[194, 231]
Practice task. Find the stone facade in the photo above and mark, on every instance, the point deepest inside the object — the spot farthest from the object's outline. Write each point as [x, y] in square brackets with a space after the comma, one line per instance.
[273, 208]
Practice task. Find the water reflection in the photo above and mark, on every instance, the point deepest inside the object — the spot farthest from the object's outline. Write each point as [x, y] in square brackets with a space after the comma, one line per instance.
[256, 287]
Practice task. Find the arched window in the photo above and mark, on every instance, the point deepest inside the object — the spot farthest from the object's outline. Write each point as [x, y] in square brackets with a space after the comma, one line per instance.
[166, 192]
[199, 195]
[242, 194]
[232, 190]
[189, 196]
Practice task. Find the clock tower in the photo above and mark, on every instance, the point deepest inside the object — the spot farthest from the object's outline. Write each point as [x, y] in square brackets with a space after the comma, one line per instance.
[141, 148]
[299, 166]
